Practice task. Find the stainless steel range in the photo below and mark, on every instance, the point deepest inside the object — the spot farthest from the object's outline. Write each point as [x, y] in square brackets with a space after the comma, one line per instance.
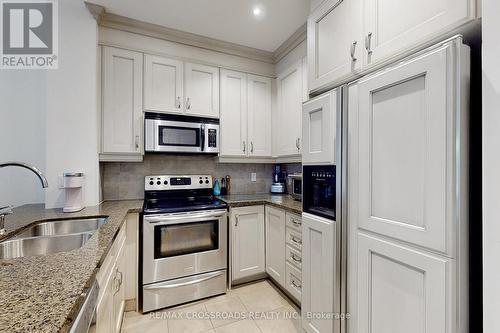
[183, 243]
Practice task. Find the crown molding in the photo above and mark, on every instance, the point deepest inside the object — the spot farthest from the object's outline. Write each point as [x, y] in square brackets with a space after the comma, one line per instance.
[127, 24]
[97, 11]
[288, 45]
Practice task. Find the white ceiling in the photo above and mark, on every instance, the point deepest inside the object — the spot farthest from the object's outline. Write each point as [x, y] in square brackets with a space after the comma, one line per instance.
[227, 20]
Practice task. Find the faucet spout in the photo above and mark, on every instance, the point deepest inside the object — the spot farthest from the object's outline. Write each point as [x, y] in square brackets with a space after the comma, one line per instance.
[32, 168]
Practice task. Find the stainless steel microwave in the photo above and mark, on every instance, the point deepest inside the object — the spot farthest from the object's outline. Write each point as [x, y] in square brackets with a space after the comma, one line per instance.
[181, 134]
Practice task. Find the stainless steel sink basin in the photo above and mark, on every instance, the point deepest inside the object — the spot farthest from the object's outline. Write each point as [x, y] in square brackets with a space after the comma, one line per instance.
[62, 227]
[21, 247]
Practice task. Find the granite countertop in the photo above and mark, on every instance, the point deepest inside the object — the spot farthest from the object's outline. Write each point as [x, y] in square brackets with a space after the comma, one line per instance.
[43, 293]
[278, 200]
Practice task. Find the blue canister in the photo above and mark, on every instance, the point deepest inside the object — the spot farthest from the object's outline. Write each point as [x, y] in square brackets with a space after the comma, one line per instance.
[216, 187]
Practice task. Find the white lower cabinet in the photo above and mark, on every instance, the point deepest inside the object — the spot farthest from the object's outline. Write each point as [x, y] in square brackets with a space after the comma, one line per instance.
[318, 273]
[247, 242]
[275, 244]
[401, 289]
[111, 299]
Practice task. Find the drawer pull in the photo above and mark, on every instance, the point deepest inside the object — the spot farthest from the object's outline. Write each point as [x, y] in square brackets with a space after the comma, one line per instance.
[298, 286]
[297, 223]
[296, 240]
[296, 259]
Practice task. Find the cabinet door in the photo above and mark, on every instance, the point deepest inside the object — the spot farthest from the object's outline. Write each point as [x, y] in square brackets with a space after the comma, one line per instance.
[202, 90]
[290, 110]
[400, 289]
[119, 289]
[233, 114]
[122, 119]
[275, 244]
[334, 42]
[391, 26]
[248, 255]
[259, 116]
[318, 273]
[163, 84]
[406, 134]
[319, 129]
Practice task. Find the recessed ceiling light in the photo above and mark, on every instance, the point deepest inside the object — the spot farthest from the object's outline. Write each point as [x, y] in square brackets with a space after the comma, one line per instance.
[258, 11]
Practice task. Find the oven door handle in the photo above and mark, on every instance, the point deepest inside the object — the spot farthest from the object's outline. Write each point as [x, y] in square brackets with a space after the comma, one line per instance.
[188, 281]
[174, 217]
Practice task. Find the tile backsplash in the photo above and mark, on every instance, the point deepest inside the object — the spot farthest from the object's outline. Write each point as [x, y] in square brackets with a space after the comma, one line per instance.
[121, 181]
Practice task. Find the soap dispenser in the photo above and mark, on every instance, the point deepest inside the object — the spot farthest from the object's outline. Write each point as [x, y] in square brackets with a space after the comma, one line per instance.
[216, 187]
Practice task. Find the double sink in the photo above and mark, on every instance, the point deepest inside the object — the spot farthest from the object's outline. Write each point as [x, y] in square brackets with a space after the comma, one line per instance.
[50, 237]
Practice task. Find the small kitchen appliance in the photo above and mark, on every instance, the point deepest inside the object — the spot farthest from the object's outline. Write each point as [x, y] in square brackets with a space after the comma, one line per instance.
[183, 242]
[73, 186]
[278, 186]
[295, 186]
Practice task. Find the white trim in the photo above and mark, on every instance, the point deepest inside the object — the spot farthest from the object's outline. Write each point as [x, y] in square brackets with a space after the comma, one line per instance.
[291, 43]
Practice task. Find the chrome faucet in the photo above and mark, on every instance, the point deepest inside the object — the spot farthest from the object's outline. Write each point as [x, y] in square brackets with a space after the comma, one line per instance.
[7, 210]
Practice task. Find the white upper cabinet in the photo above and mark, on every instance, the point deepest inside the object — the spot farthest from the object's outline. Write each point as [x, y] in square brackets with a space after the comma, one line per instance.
[319, 129]
[290, 95]
[122, 119]
[201, 90]
[233, 113]
[407, 139]
[259, 116]
[334, 42]
[391, 26]
[163, 84]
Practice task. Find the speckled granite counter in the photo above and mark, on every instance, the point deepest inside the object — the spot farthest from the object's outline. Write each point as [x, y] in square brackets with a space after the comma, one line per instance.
[278, 200]
[43, 293]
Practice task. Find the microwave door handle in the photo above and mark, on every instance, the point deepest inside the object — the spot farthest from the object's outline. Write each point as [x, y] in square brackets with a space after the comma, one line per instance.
[202, 137]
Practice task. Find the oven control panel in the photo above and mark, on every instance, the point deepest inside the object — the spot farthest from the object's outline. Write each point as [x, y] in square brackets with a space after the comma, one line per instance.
[177, 182]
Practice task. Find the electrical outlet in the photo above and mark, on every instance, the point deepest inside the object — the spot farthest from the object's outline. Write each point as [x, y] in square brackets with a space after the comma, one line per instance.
[254, 176]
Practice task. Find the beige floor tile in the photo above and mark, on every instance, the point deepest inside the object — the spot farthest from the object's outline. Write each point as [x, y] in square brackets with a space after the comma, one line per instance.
[283, 320]
[242, 326]
[191, 319]
[252, 287]
[226, 310]
[135, 322]
[264, 298]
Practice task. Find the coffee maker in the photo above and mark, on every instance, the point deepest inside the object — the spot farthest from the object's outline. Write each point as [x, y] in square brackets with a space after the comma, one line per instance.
[279, 176]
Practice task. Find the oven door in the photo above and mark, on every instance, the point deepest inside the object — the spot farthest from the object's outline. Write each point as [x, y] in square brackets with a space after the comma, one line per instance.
[174, 136]
[183, 244]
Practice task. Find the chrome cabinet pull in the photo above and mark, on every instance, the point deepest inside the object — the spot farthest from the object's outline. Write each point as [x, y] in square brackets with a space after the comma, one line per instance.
[353, 51]
[296, 259]
[368, 43]
[178, 105]
[297, 223]
[296, 240]
[136, 142]
[298, 286]
[251, 146]
[237, 218]
[298, 144]
[244, 147]
[188, 104]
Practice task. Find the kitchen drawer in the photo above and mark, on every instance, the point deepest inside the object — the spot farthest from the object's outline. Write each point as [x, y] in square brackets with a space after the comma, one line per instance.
[294, 221]
[294, 281]
[294, 238]
[294, 257]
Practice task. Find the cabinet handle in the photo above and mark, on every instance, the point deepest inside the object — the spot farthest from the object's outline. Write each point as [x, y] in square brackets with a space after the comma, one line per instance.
[136, 142]
[296, 241]
[353, 51]
[368, 43]
[297, 223]
[188, 104]
[244, 146]
[298, 286]
[298, 144]
[296, 259]
[251, 146]
[178, 102]
[237, 218]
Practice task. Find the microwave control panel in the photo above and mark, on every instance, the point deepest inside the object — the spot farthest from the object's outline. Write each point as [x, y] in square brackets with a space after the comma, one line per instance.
[212, 138]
